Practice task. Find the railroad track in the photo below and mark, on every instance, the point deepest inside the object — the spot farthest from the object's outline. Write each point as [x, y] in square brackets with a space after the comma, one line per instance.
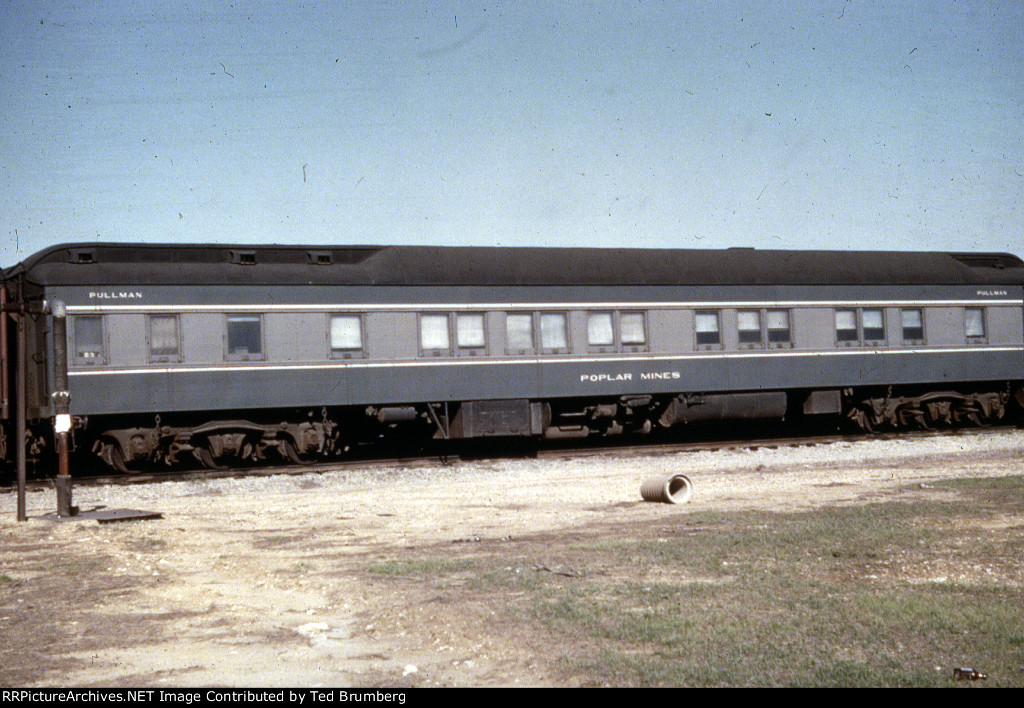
[773, 442]
[532, 450]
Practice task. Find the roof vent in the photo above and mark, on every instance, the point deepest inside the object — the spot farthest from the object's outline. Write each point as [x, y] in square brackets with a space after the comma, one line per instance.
[320, 257]
[243, 257]
[988, 260]
[79, 255]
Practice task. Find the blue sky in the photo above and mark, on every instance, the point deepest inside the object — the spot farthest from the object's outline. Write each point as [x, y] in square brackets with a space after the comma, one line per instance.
[833, 124]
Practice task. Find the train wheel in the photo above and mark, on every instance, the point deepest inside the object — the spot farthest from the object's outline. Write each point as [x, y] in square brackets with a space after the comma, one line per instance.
[921, 419]
[206, 457]
[863, 420]
[117, 459]
[980, 419]
[288, 449]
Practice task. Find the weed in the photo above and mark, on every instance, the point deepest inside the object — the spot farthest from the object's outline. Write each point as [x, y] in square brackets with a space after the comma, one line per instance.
[426, 566]
[69, 566]
[148, 543]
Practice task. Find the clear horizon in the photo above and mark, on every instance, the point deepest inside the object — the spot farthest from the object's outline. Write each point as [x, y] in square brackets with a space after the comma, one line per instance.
[835, 125]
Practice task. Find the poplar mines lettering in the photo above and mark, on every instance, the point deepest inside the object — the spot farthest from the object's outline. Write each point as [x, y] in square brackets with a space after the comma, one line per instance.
[645, 376]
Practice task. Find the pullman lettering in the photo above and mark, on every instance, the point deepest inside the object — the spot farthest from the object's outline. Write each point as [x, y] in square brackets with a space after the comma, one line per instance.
[116, 295]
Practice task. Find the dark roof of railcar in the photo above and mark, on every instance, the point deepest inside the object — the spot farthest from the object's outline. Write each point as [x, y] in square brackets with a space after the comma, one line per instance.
[126, 264]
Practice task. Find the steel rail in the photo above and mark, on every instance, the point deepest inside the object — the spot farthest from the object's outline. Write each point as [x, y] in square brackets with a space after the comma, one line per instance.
[597, 448]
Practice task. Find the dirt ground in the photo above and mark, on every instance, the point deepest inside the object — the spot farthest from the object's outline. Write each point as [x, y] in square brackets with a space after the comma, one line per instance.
[267, 582]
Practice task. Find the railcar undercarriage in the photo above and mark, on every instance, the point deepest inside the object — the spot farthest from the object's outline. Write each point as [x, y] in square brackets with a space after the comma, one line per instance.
[218, 444]
[258, 437]
[303, 436]
[930, 410]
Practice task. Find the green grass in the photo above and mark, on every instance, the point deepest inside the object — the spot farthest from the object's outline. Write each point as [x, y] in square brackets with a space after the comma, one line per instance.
[75, 565]
[893, 594]
[427, 566]
[800, 634]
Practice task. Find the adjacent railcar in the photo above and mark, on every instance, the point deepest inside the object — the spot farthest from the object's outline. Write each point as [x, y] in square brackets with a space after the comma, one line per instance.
[233, 354]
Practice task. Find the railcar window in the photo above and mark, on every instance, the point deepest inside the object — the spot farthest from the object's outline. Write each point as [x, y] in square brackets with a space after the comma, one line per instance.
[748, 323]
[846, 326]
[913, 325]
[632, 329]
[346, 335]
[519, 333]
[434, 337]
[974, 323]
[469, 331]
[612, 331]
[88, 336]
[554, 334]
[600, 332]
[706, 325]
[778, 326]
[873, 324]
[245, 336]
[163, 337]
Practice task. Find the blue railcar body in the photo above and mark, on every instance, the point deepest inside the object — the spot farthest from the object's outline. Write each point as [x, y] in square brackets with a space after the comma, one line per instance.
[230, 342]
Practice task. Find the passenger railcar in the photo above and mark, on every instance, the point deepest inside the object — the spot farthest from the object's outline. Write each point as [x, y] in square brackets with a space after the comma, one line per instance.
[228, 354]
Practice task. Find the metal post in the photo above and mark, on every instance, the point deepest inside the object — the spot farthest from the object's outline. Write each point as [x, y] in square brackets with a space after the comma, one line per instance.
[19, 431]
[62, 417]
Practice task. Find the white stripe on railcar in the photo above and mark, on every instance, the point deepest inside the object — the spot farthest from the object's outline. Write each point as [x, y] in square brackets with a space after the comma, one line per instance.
[532, 359]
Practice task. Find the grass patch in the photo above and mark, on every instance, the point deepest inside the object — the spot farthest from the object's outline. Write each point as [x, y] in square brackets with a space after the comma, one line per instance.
[423, 566]
[890, 594]
[148, 544]
[77, 565]
[823, 598]
[277, 540]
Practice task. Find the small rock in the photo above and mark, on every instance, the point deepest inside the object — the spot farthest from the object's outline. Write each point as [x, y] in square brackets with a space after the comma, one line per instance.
[312, 629]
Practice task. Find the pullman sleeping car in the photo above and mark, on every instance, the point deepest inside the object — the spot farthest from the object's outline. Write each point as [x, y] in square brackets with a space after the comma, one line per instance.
[229, 355]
